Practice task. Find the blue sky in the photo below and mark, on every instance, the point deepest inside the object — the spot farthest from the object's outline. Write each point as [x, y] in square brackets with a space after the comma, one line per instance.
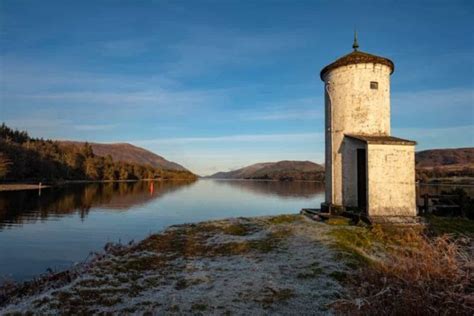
[216, 85]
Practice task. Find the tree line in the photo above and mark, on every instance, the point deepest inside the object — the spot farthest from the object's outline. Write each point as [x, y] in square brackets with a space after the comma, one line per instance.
[23, 158]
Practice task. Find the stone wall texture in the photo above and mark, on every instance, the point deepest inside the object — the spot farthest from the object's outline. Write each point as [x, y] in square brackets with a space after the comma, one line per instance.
[391, 180]
[352, 107]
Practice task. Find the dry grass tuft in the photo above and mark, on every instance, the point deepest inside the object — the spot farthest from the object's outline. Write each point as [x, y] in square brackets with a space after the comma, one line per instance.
[418, 276]
[283, 219]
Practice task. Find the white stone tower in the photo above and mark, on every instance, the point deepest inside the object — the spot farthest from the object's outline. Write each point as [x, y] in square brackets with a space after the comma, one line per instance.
[366, 168]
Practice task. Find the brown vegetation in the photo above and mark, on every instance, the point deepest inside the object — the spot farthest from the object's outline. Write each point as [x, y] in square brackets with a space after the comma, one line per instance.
[416, 275]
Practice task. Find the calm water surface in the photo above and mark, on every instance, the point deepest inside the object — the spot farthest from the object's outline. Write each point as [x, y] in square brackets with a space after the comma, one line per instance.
[63, 225]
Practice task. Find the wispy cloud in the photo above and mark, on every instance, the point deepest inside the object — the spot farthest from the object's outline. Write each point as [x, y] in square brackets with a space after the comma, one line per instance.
[253, 138]
[125, 47]
[37, 122]
[158, 97]
[441, 137]
[433, 99]
[99, 127]
[207, 49]
[23, 76]
[299, 109]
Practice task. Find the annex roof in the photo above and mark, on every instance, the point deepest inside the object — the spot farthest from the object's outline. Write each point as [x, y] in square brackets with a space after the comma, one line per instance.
[384, 140]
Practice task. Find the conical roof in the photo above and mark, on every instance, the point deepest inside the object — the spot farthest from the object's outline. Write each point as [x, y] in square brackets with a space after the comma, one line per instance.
[357, 57]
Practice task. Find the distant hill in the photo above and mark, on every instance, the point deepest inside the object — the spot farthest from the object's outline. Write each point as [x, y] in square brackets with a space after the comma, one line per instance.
[437, 164]
[282, 170]
[457, 157]
[430, 165]
[128, 153]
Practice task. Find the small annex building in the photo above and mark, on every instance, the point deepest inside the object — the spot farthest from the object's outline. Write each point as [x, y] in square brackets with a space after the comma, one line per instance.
[366, 168]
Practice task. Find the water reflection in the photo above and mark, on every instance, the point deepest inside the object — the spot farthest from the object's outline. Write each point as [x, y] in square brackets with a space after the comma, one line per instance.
[65, 224]
[19, 207]
[284, 189]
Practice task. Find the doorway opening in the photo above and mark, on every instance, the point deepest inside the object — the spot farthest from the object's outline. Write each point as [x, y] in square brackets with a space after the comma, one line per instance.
[362, 179]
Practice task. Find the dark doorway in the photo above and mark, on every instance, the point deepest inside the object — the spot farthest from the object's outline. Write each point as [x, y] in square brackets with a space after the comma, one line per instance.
[362, 179]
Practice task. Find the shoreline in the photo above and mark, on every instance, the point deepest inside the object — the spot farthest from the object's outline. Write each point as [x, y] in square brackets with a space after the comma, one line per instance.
[21, 186]
[261, 180]
[237, 265]
[247, 265]
[4, 187]
[29, 186]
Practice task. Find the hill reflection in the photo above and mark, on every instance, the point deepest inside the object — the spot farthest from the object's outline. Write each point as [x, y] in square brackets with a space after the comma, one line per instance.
[18, 207]
[283, 189]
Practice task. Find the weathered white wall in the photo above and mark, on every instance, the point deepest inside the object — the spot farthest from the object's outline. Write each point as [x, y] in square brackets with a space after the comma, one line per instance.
[349, 170]
[391, 180]
[353, 108]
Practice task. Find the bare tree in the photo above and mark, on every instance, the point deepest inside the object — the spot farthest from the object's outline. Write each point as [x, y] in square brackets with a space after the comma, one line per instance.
[4, 165]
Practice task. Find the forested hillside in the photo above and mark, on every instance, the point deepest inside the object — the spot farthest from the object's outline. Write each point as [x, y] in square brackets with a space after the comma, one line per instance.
[23, 158]
[129, 153]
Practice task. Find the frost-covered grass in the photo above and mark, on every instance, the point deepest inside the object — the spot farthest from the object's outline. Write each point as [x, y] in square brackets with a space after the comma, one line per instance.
[264, 265]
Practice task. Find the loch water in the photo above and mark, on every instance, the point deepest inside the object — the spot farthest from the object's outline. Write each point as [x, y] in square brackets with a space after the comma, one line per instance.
[60, 226]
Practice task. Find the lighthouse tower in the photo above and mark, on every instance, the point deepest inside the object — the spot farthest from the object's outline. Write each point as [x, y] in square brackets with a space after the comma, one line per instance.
[366, 168]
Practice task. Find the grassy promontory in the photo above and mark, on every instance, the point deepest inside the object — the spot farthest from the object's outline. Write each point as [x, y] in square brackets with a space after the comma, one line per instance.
[263, 265]
[20, 186]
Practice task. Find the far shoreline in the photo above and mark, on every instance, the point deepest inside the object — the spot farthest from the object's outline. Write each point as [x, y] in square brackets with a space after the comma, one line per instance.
[260, 180]
[6, 187]
[21, 186]
[14, 186]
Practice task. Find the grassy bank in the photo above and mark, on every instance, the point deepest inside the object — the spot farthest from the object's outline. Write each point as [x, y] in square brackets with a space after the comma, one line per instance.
[408, 270]
[20, 186]
[263, 265]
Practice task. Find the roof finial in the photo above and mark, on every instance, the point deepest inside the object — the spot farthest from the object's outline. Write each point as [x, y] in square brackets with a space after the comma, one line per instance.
[355, 45]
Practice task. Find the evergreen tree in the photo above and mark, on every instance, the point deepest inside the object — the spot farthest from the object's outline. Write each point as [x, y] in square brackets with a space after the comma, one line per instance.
[26, 158]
